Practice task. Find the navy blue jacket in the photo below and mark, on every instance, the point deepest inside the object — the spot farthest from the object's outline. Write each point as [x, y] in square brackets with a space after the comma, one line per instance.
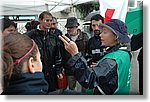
[27, 84]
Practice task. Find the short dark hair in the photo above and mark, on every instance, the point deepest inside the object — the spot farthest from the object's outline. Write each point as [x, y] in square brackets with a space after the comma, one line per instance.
[6, 23]
[97, 17]
[41, 16]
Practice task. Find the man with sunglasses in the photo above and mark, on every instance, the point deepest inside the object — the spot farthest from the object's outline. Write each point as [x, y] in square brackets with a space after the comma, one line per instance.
[54, 29]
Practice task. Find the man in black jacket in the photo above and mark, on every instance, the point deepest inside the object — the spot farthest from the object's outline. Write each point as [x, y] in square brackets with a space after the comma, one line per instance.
[49, 46]
[54, 30]
[95, 50]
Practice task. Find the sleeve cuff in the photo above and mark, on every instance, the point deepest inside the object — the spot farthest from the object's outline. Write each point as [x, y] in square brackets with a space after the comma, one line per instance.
[74, 59]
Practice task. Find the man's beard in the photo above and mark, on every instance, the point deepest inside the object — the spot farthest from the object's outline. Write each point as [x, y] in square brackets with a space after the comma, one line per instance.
[97, 33]
[52, 28]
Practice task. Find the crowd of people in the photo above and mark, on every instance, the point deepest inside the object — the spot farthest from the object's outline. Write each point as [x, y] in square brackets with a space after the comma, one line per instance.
[34, 61]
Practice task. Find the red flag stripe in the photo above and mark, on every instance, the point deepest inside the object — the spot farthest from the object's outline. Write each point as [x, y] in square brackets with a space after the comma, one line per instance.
[108, 14]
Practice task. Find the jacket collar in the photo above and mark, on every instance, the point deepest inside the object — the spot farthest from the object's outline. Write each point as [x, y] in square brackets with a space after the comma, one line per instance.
[80, 35]
[27, 84]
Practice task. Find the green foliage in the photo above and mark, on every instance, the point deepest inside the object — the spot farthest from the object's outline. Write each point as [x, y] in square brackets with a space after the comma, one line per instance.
[86, 8]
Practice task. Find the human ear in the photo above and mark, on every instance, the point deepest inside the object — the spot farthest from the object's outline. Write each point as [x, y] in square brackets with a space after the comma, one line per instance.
[116, 37]
[31, 65]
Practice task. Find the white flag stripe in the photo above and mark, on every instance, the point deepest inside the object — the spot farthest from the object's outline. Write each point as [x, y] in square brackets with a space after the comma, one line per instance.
[120, 7]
